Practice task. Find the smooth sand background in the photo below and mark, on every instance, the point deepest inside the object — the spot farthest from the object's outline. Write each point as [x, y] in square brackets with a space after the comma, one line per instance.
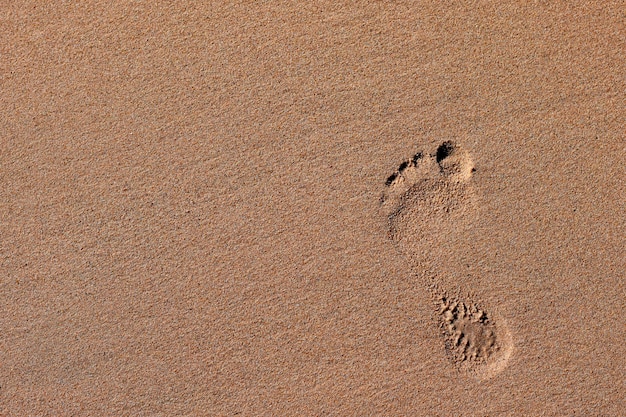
[190, 220]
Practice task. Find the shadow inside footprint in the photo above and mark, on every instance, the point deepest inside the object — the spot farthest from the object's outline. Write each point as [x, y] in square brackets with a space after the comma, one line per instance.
[444, 150]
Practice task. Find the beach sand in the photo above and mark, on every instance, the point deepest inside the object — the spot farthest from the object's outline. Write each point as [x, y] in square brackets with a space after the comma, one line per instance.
[312, 209]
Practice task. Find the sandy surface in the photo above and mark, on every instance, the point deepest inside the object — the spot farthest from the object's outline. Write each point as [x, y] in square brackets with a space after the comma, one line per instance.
[196, 217]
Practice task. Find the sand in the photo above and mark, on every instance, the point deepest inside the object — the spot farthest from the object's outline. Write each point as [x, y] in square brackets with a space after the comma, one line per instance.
[312, 209]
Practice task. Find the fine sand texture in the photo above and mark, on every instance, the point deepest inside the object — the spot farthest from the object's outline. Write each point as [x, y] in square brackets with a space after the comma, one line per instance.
[375, 208]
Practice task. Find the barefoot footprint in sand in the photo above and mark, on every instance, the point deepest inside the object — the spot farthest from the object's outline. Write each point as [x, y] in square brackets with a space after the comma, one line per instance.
[426, 201]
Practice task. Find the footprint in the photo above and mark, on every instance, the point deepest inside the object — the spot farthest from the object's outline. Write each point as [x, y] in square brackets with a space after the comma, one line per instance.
[428, 201]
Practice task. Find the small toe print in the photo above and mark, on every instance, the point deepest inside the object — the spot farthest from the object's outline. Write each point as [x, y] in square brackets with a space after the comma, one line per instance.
[391, 179]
